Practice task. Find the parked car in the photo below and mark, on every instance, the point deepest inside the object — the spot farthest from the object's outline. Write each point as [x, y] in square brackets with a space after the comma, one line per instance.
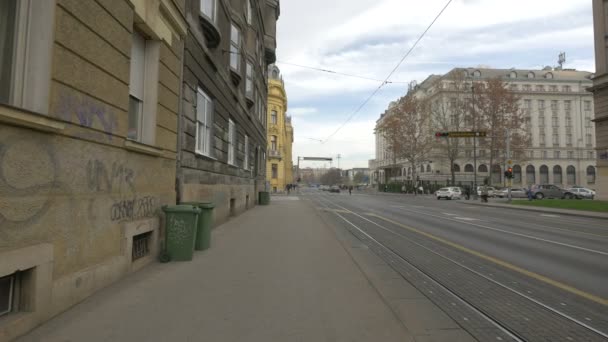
[515, 193]
[583, 193]
[491, 191]
[334, 188]
[551, 191]
[449, 193]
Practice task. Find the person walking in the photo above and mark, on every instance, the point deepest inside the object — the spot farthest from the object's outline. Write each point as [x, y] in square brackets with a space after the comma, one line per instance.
[350, 190]
[484, 193]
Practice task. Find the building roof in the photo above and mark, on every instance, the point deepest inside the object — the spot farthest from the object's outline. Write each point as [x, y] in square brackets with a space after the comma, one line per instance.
[522, 74]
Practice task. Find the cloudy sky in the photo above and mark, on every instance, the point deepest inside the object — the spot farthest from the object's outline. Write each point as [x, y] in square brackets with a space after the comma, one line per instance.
[369, 37]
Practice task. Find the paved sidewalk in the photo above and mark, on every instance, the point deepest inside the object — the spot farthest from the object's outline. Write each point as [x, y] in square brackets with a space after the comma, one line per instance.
[274, 273]
[570, 212]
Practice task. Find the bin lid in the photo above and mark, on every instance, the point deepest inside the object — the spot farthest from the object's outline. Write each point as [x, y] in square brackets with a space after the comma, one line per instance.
[202, 205]
[180, 208]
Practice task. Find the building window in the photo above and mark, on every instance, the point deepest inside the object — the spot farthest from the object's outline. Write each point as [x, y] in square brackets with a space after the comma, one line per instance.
[544, 154]
[7, 47]
[528, 104]
[231, 142]
[567, 105]
[569, 139]
[467, 141]
[482, 153]
[204, 123]
[273, 142]
[468, 168]
[554, 104]
[541, 104]
[468, 153]
[513, 74]
[249, 80]
[273, 117]
[590, 155]
[513, 87]
[553, 88]
[590, 174]
[588, 140]
[7, 292]
[570, 154]
[527, 87]
[556, 154]
[541, 139]
[275, 171]
[246, 158]
[540, 88]
[209, 9]
[555, 140]
[530, 154]
[566, 89]
[235, 48]
[136, 87]
[555, 121]
[530, 75]
[587, 105]
[568, 121]
[249, 12]
[588, 122]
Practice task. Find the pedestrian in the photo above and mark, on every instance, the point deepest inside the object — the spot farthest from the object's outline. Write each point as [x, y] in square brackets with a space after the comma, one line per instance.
[350, 190]
[484, 193]
[530, 197]
[467, 193]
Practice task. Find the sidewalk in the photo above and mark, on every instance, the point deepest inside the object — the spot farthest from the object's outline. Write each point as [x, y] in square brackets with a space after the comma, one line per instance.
[274, 273]
[570, 212]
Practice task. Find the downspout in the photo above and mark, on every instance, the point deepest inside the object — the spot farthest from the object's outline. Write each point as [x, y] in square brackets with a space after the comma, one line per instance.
[179, 180]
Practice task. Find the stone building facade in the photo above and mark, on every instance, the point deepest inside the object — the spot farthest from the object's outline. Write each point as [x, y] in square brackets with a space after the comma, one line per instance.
[89, 96]
[558, 113]
[222, 133]
[600, 95]
[279, 168]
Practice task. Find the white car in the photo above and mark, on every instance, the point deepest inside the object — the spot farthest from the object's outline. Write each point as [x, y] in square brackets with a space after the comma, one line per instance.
[491, 191]
[449, 193]
[582, 193]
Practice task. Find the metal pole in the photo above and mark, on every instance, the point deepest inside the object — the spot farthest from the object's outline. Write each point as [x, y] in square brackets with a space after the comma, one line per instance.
[298, 172]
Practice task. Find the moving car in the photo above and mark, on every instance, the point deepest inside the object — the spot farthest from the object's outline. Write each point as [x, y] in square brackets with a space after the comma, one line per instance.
[515, 193]
[583, 193]
[334, 188]
[551, 191]
[491, 191]
[449, 193]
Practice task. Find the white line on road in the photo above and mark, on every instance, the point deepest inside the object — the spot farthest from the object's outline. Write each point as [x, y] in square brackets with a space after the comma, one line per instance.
[449, 214]
[549, 215]
[466, 218]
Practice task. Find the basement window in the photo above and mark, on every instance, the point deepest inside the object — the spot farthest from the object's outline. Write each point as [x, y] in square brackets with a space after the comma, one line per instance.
[8, 285]
[141, 245]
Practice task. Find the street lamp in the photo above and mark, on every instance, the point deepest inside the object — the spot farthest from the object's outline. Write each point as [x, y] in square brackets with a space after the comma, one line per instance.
[474, 140]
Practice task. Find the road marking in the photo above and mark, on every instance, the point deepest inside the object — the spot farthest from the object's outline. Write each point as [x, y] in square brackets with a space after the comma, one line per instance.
[466, 218]
[517, 234]
[449, 214]
[502, 263]
[549, 215]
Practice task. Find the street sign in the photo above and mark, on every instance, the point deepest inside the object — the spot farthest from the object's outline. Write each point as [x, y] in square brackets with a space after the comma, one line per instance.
[461, 134]
[317, 158]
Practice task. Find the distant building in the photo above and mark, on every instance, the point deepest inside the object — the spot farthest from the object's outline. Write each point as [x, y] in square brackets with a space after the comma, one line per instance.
[600, 92]
[350, 174]
[558, 116]
[280, 134]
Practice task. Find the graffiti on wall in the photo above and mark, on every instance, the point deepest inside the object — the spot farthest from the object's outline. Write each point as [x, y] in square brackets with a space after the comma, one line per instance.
[134, 208]
[88, 112]
[102, 178]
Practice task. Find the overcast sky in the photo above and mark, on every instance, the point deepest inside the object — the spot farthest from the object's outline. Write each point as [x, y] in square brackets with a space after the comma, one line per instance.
[369, 37]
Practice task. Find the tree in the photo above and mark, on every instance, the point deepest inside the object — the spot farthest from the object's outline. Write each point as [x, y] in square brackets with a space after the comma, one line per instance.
[450, 112]
[407, 131]
[498, 110]
[359, 178]
[332, 177]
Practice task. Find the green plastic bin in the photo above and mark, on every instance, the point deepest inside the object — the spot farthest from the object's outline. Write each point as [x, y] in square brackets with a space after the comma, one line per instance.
[264, 198]
[180, 231]
[203, 226]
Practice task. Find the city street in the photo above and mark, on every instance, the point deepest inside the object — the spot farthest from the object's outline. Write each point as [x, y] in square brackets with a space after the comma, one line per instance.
[529, 276]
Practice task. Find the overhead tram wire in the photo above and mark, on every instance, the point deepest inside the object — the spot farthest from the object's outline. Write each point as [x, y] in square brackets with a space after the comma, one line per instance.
[386, 80]
[336, 72]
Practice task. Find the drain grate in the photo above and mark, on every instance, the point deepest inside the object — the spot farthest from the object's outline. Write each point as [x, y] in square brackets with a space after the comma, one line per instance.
[141, 245]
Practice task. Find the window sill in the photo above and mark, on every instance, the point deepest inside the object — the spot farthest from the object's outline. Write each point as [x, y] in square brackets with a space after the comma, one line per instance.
[202, 155]
[211, 32]
[143, 148]
[18, 117]
[234, 75]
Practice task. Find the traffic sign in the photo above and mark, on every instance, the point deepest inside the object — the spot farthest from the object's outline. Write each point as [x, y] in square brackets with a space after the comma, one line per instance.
[461, 134]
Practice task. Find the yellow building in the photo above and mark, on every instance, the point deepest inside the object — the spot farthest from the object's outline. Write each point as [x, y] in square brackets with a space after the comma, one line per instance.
[279, 165]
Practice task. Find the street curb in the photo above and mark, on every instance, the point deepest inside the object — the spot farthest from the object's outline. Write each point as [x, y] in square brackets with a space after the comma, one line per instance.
[541, 210]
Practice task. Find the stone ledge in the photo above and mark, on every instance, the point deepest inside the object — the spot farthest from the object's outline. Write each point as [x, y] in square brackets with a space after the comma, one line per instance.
[22, 118]
[143, 148]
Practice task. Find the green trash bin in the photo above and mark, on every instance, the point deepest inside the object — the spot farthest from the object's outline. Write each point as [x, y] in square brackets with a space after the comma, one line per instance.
[203, 226]
[180, 231]
[264, 198]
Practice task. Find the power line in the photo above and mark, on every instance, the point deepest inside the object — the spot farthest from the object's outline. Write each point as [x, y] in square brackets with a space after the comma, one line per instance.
[336, 72]
[390, 74]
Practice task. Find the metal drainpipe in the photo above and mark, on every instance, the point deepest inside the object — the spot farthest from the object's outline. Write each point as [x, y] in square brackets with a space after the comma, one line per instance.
[180, 116]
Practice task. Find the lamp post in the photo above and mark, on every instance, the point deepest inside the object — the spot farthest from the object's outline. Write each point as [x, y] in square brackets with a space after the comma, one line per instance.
[474, 140]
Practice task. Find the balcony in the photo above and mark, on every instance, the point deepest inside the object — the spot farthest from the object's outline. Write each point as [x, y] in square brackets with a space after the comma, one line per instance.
[274, 154]
[210, 31]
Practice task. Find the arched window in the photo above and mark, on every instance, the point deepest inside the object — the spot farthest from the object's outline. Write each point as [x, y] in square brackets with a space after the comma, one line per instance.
[513, 74]
[482, 168]
[530, 174]
[456, 168]
[531, 75]
[517, 174]
[428, 168]
[421, 168]
[469, 168]
[544, 174]
[477, 73]
[465, 73]
[549, 75]
[590, 174]
[496, 177]
[275, 74]
[557, 174]
[571, 175]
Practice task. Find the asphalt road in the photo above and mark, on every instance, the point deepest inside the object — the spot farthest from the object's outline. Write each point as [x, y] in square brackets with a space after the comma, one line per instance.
[539, 276]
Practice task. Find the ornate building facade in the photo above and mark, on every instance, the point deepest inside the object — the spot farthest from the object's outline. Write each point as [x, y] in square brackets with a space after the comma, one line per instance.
[280, 134]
